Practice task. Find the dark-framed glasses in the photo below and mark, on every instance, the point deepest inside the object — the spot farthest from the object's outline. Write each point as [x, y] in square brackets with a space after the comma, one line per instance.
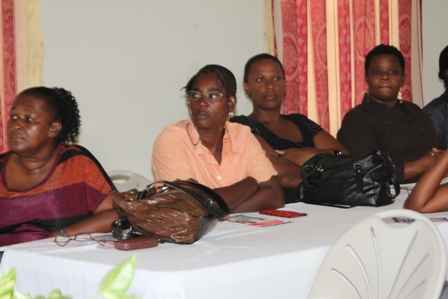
[63, 240]
[211, 96]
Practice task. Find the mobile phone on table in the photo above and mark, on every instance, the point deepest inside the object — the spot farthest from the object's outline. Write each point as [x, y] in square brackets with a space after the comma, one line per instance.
[282, 213]
[136, 243]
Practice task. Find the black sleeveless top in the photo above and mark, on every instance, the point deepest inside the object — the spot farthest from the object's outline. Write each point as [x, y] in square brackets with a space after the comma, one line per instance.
[307, 127]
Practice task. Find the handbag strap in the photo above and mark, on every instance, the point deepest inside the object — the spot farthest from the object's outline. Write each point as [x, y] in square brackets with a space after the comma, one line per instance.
[214, 203]
[299, 186]
[359, 192]
[394, 182]
[394, 179]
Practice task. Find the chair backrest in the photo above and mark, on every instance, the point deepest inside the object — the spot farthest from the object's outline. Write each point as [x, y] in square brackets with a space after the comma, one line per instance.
[377, 260]
[126, 180]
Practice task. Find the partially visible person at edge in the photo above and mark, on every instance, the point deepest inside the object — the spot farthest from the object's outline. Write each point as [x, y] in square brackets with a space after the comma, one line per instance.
[221, 155]
[437, 109]
[49, 187]
[289, 140]
[383, 122]
[428, 196]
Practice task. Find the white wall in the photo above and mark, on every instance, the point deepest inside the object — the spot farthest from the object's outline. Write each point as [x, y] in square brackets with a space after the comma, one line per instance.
[126, 62]
[435, 38]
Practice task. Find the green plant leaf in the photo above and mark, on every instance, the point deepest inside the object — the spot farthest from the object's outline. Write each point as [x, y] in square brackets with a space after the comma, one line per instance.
[18, 295]
[7, 281]
[56, 294]
[117, 281]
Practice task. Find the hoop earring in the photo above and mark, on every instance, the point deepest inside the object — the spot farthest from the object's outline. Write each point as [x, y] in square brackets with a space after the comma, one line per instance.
[366, 96]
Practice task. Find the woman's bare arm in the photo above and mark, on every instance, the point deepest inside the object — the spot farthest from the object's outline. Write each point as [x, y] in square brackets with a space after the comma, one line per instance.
[324, 141]
[324, 144]
[250, 196]
[99, 222]
[428, 196]
[288, 171]
[418, 167]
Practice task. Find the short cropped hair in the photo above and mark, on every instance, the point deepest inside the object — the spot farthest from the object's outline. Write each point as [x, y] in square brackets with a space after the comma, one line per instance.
[383, 49]
[443, 62]
[259, 57]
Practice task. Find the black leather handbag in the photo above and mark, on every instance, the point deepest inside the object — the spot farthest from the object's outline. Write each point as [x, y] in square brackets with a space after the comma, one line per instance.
[347, 181]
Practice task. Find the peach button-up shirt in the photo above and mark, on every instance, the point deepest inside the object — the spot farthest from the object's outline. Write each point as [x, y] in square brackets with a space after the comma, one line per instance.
[175, 156]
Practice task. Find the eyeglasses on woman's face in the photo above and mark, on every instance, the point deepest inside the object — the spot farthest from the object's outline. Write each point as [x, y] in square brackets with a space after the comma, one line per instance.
[211, 96]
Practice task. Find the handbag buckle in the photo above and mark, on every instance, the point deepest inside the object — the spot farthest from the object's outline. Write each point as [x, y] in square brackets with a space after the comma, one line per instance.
[358, 167]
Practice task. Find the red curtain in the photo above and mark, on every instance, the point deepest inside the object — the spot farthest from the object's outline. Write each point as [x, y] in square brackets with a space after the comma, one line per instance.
[8, 86]
[323, 47]
[21, 55]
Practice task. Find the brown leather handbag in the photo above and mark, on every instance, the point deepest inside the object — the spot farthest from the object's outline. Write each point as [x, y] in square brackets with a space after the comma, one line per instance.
[179, 211]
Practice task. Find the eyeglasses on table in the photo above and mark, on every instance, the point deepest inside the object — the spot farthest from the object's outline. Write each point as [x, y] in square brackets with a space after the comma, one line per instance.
[84, 237]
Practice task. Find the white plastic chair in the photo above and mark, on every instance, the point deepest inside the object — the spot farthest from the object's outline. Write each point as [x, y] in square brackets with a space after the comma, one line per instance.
[376, 260]
[126, 180]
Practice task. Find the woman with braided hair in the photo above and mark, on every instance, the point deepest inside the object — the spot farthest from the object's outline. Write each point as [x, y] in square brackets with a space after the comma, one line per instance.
[49, 185]
[221, 155]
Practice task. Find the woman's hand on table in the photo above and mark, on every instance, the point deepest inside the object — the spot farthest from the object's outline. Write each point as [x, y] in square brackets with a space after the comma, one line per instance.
[99, 222]
[424, 163]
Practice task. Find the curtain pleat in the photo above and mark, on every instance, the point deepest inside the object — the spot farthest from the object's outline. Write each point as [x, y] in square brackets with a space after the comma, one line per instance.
[8, 85]
[21, 55]
[269, 21]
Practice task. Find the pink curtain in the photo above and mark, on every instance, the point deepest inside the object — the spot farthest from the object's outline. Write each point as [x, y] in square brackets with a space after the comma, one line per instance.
[323, 47]
[20, 56]
[8, 86]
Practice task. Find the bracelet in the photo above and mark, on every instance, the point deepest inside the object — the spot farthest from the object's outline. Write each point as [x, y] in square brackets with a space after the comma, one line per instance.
[337, 152]
[122, 229]
[63, 233]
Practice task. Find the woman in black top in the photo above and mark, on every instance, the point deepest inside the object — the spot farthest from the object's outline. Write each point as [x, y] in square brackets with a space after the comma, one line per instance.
[384, 122]
[289, 140]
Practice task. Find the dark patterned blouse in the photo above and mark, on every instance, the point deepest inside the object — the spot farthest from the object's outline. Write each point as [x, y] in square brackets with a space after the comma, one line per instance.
[307, 128]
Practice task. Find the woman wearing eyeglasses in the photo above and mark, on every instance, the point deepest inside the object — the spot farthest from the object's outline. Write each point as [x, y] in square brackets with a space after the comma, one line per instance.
[221, 155]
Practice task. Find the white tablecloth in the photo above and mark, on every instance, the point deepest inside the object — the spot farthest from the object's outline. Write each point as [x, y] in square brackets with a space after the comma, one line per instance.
[233, 261]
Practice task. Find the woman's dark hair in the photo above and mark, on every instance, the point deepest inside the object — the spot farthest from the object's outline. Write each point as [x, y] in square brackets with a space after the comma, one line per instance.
[64, 108]
[443, 63]
[257, 58]
[383, 49]
[224, 75]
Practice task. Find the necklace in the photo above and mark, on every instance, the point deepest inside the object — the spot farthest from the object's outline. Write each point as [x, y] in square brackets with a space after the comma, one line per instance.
[194, 144]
